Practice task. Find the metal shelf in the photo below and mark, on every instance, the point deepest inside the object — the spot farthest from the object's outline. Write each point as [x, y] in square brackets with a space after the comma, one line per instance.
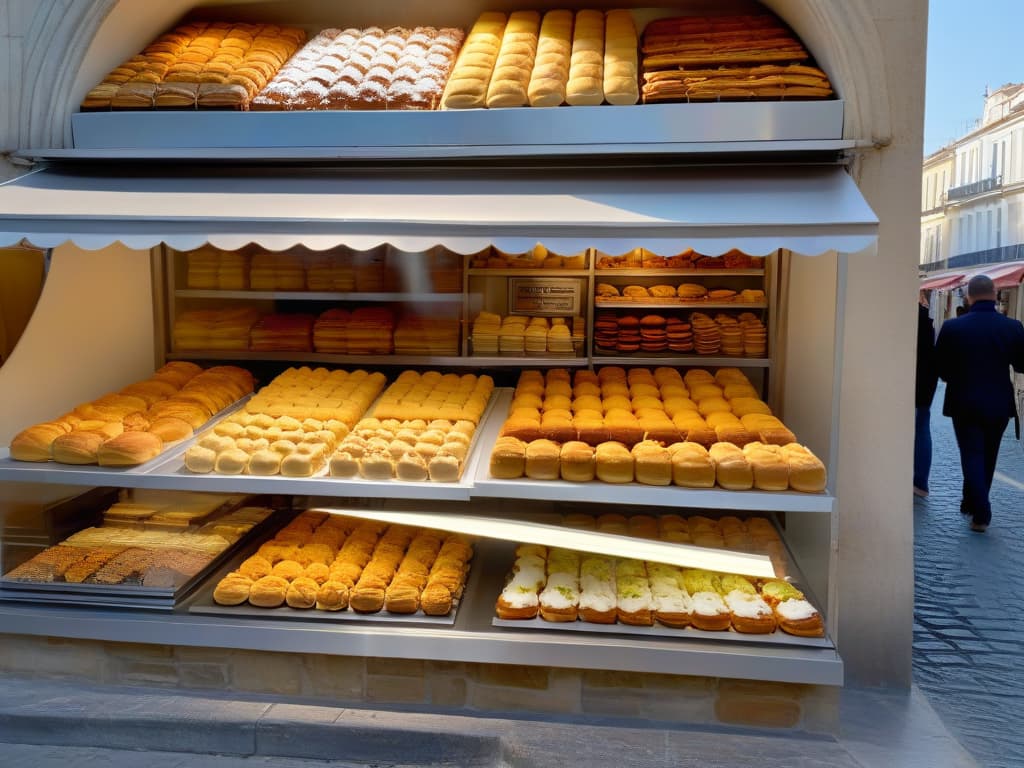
[528, 272]
[324, 358]
[421, 298]
[699, 361]
[659, 272]
[599, 304]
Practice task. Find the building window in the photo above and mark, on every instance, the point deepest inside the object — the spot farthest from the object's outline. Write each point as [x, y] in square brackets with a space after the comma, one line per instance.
[988, 230]
[999, 228]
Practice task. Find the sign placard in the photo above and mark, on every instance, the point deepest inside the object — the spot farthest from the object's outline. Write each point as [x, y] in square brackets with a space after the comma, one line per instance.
[551, 296]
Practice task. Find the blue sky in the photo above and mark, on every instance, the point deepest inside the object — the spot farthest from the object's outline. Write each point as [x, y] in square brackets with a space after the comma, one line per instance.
[971, 44]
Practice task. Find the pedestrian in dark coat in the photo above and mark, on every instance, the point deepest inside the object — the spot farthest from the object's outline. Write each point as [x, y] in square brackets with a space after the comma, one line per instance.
[974, 355]
[926, 380]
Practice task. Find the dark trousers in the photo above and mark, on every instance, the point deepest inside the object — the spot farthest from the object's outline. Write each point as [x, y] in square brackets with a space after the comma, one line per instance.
[978, 441]
[922, 447]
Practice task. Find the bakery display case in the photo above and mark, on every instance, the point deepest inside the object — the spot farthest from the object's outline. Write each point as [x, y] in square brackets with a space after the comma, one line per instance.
[544, 257]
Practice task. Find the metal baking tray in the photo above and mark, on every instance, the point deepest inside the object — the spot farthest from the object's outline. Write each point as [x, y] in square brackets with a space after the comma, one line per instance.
[203, 604]
[124, 595]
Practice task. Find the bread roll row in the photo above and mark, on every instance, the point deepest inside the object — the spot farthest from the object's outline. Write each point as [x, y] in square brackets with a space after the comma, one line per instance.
[333, 563]
[757, 465]
[133, 425]
[584, 59]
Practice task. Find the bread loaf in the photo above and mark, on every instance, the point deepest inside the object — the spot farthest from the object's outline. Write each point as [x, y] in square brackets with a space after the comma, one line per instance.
[652, 463]
[508, 459]
[551, 67]
[621, 84]
[614, 463]
[576, 462]
[78, 447]
[467, 86]
[771, 472]
[542, 460]
[514, 65]
[586, 65]
[692, 466]
[34, 443]
[732, 470]
[806, 471]
[129, 449]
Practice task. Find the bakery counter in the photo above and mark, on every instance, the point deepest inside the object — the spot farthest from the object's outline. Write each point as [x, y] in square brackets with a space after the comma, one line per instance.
[471, 638]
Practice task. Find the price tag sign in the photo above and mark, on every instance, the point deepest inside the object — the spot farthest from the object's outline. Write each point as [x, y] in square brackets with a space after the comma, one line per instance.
[545, 296]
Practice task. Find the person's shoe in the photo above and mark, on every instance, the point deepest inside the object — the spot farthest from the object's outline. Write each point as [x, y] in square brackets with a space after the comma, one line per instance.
[920, 492]
[964, 510]
[979, 527]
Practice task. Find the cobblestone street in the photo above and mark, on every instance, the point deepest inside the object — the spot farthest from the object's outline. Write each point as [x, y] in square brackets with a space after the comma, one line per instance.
[969, 608]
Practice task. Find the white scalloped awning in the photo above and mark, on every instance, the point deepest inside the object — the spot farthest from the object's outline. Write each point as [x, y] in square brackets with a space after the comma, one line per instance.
[809, 210]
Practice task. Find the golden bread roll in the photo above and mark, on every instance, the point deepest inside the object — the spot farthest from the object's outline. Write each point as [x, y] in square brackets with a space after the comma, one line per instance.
[411, 468]
[170, 429]
[508, 458]
[551, 66]
[512, 69]
[129, 449]
[377, 466]
[233, 589]
[255, 567]
[806, 471]
[771, 471]
[576, 462]
[621, 80]
[343, 464]
[652, 463]
[78, 447]
[471, 75]
[366, 599]
[35, 443]
[302, 593]
[300, 464]
[542, 458]
[732, 470]
[268, 592]
[586, 65]
[332, 596]
[614, 463]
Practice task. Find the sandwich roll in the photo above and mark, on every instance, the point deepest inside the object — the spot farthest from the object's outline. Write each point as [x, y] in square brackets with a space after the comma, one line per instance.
[614, 463]
[732, 470]
[586, 64]
[514, 65]
[78, 447]
[806, 471]
[129, 449]
[621, 84]
[468, 84]
[551, 67]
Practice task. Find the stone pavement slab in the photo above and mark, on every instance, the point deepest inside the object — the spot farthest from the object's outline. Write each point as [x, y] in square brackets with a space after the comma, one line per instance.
[74, 725]
[969, 605]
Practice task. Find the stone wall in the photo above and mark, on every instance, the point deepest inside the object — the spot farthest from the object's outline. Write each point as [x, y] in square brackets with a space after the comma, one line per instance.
[435, 686]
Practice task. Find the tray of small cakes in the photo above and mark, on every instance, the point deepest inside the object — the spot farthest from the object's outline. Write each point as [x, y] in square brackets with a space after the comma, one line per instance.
[331, 568]
[550, 588]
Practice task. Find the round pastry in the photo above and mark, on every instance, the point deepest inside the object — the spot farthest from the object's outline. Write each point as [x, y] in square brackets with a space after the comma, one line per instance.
[288, 569]
[268, 592]
[34, 443]
[298, 465]
[264, 462]
[233, 461]
[318, 572]
[332, 596]
[199, 459]
[302, 593]
[137, 422]
[444, 468]
[233, 589]
[255, 567]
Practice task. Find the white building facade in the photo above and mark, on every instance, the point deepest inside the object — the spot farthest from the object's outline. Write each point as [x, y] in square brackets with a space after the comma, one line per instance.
[972, 206]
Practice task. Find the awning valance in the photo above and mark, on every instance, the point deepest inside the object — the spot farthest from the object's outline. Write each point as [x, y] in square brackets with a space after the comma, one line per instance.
[1006, 275]
[809, 210]
[942, 282]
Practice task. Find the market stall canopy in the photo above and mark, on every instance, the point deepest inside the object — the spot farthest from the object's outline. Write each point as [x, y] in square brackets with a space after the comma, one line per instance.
[942, 282]
[1006, 275]
[809, 210]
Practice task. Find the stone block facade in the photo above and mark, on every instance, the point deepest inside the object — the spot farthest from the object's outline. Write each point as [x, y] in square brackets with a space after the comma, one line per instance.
[432, 686]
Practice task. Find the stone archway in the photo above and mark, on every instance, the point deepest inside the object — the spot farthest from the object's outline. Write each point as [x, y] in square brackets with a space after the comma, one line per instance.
[842, 34]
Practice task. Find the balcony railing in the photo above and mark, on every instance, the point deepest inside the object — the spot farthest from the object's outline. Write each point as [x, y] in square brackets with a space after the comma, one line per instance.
[974, 188]
[977, 258]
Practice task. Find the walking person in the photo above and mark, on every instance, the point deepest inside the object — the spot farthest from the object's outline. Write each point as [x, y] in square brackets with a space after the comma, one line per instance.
[974, 354]
[926, 380]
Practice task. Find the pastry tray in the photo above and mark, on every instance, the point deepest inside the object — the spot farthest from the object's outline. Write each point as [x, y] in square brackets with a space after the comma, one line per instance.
[125, 595]
[203, 604]
[167, 471]
[626, 493]
[659, 631]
